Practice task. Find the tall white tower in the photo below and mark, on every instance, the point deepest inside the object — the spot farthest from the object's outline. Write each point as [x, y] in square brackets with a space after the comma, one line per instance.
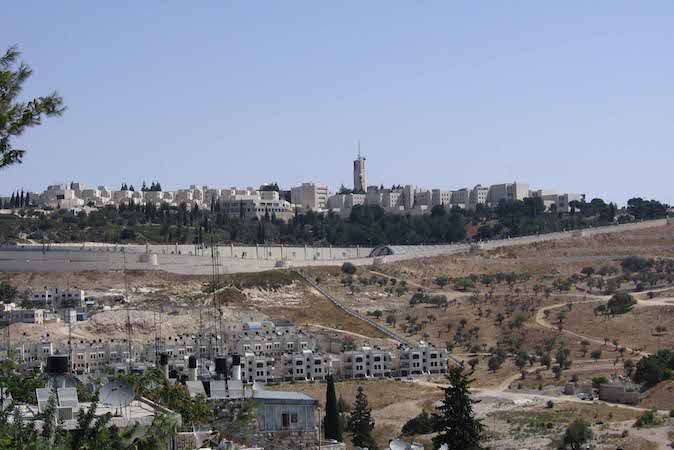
[359, 177]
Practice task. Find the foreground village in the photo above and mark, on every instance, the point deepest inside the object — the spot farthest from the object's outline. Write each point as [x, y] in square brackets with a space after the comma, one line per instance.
[544, 333]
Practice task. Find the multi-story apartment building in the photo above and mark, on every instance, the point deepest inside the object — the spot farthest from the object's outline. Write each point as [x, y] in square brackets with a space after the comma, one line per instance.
[440, 197]
[460, 198]
[557, 202]
[508, 192]
[424, 359]
[309, 196]
[304, 365]
[423, 197]
[367, 362]
[477, 196]
[58, 298]
[267, 204]
[33, 351]
[61, 196]
[258, 368]
[269, 339]
[11, 314]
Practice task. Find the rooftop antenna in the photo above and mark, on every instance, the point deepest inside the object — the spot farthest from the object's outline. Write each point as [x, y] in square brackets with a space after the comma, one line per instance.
[128, 312]
[201, 334]
[217, 307]
[70, 327]
[156, 352]
[359, 149]
[9, 336]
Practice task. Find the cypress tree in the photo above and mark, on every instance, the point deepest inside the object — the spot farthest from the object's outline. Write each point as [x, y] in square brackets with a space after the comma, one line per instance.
[361, 422]
[458, 428]
[12, 201]
[21, 199]
[27, 200]
[333, 428]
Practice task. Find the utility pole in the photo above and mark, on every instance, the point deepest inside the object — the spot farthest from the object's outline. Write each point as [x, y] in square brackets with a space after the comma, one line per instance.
[70, 327]
[128, 312]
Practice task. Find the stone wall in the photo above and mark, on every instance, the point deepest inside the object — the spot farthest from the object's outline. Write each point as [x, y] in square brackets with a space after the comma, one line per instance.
[617, 393]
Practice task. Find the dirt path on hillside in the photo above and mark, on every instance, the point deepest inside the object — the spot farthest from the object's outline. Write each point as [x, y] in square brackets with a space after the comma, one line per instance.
[541, 321]
[349, 333]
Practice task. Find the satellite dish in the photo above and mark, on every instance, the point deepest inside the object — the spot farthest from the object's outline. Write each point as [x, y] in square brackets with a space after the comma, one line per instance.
[116, 394]
[397, 444]
[63, 381]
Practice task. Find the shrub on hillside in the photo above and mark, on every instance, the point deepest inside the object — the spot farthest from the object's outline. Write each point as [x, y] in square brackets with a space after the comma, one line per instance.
[424, 423]
[636, 264]
[620, 303]
[647, 419]
[349, 268]
[655, 368]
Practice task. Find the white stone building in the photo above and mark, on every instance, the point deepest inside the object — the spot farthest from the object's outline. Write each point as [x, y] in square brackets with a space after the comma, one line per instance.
[309, 196]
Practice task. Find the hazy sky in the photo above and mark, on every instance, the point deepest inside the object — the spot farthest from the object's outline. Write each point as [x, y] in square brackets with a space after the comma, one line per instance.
[569, 96]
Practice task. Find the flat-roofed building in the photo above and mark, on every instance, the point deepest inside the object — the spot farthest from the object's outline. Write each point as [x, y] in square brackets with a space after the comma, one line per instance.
[309, 196]
[366, 362]
[423, 359]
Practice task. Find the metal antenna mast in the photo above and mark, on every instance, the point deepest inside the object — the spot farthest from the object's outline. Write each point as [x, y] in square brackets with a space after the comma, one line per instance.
[217, 306]
[128, 312]
[70, 327]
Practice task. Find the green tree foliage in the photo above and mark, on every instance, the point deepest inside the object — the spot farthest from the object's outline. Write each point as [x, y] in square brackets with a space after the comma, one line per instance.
[648, 419]
[333, 429]
[577, 434]
[7, 292]
[636, 264]
[439, 301]
[646, 209]
[424, 423]
[349, 268]
[361, 422]
[652, 369]
[17, 116]
[194, 410]
[457, 426]
[464, 283]
[442, 281]
[620, 303]
[598, 381]
[21, 386]
[93, 432]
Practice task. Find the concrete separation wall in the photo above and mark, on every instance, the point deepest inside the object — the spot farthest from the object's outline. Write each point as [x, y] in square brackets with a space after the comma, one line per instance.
[266, 252]
[107, 257]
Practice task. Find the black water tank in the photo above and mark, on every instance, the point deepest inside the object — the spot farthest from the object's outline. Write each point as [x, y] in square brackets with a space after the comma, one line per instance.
[220, 365]
[192, 362]
[163, 359]
[236, 360]
[57, 364]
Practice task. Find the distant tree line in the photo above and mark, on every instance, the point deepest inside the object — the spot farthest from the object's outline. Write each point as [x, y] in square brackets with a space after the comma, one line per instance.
[366, 225]
[17, 200]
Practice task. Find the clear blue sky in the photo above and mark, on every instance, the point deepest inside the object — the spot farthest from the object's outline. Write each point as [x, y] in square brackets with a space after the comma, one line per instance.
[571, 96]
